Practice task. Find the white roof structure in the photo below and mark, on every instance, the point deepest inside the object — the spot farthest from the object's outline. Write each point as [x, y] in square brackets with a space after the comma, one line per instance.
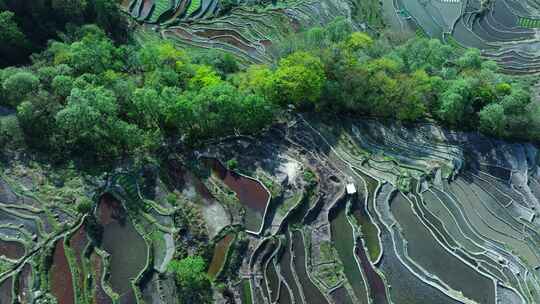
[351, 189]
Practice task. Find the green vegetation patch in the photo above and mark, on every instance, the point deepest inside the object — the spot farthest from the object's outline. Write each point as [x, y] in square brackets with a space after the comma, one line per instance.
[193, 6]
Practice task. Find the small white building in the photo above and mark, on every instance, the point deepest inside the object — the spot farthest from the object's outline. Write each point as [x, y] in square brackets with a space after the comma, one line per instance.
[351, 189]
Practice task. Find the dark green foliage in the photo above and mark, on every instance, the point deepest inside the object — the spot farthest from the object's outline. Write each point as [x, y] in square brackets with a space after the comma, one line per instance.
[34, 22]
[224, 63]
[14, 43]
[94, 229]
[84, 206]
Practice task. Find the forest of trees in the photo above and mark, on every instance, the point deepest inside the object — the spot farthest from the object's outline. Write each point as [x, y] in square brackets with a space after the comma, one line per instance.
[89, 95]
[27, 25]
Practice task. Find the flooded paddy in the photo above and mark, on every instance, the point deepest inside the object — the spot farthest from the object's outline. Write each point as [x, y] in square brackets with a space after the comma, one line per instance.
[404, 286]
[250, 192]
[287, 272]
[269, 250]
[127, 248]
[273, 280]
[100, 296]
[368, 229]
[220, 254]
[361, 212]
[24, 281]
[284, 295]
[427, 252]
[485, 223]
[311, 293]
[341, 296]
[60, 273]
[10, 218]
[376, 284]
[437, 208]
[343, 241]
[11, 249]
[6, 290]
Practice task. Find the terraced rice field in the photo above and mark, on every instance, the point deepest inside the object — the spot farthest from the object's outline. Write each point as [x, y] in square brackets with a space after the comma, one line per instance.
[61, 279]
[455, 231]
[343, 239]
[251, 193]
[220, 253]
[502, 29]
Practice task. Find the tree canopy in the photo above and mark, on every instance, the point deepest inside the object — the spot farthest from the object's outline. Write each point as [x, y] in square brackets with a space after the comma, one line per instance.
[192, 279]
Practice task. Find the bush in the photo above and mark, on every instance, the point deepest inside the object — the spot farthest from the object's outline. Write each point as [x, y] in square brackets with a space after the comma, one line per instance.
[232, 164]
[11, 133]
[18, 86]
[84, 206]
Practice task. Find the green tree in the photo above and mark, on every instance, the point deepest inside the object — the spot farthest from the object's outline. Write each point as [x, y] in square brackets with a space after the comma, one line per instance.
[192, 279]
[19, 85]
[94, 53]
[62, 85]
[493, 120]
[90, 123]
[72, 10]
[109, 17]
[256, 79]
[298, 80]
[13, 39]
[429, 55]
[36, 116]
[224, 63]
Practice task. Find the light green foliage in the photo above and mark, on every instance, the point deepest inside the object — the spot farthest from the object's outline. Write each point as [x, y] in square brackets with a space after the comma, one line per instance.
[94, 53]
[192, 279]
[204, 76]
[298, 80]
[492, 119]
[256, 79]
[338, 30]
[88, 96]
[358, 41]
[84, 205]
[193, 6]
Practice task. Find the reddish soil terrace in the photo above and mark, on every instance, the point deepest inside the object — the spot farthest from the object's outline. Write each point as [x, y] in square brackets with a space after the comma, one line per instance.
[249, 192]
[109, 209]
[61, 281]
[11, 249]
[100, 296]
